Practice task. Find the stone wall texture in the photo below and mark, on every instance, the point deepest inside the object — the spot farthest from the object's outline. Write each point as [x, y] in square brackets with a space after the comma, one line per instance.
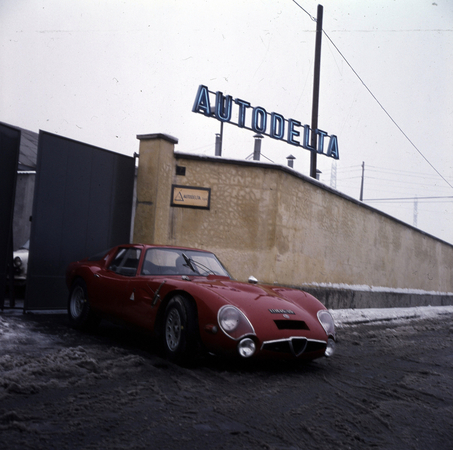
[285, 228]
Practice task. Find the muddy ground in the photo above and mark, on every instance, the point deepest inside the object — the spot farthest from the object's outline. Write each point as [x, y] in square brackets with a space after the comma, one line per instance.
[389, 386]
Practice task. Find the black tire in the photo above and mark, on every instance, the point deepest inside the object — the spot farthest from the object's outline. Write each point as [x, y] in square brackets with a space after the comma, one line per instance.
[180, 337]
[79, 311]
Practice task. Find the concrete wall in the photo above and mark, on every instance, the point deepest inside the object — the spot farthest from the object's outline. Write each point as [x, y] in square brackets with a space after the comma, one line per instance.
[281, 226]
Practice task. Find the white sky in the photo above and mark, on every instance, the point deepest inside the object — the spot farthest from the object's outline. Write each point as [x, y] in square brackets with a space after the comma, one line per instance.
[102, 72]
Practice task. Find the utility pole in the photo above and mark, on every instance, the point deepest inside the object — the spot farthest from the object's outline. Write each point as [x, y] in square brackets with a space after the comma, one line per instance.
[314, 115]
[363, 176]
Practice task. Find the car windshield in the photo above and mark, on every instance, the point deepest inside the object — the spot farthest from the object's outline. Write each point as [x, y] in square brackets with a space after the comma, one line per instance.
[171, 261]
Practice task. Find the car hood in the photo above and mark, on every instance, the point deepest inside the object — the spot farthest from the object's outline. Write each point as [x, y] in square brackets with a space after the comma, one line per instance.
[265, 303]
[243, 295]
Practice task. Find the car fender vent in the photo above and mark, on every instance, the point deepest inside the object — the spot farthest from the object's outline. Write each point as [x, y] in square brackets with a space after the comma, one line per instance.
[291, 325]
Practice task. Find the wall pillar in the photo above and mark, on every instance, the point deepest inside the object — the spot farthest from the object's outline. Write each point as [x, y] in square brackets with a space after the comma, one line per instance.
[156, 167]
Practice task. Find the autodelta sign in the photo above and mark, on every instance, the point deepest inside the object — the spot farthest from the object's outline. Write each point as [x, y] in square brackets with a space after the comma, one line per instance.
[257, 119]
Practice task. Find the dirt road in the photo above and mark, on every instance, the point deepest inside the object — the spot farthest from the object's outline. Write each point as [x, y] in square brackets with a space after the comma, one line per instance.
[389, 386]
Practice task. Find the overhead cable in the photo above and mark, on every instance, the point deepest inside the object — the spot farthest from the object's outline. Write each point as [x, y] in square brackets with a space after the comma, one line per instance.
[377, 101]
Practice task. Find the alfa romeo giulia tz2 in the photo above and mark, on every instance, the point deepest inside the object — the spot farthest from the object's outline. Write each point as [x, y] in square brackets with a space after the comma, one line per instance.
[189, 301]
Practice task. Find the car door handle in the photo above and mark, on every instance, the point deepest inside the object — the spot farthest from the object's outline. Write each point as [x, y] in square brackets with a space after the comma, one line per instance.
[97, 275]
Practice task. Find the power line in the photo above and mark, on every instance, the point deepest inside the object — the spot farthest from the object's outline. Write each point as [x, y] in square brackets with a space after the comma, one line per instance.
[397, 180]
[377, 101]
[387, 113]
[402, 182]
[399, 172]
[401, 178]
[305, 11]
[405, 198]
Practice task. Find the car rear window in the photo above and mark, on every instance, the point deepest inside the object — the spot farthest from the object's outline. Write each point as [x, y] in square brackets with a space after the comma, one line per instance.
[126, 261]
[98, 256]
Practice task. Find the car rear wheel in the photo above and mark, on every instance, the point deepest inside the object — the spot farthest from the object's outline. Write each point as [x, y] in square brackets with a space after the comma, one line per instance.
[79, 310]
[181, 336]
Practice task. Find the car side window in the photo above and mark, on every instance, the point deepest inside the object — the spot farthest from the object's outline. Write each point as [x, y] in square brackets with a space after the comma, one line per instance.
[126, 262]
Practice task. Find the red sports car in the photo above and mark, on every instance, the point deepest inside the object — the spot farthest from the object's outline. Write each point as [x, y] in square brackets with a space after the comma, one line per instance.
[190, 302]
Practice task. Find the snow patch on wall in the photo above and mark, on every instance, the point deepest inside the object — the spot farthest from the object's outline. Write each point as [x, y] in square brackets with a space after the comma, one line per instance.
[344, 317]
[366, 288]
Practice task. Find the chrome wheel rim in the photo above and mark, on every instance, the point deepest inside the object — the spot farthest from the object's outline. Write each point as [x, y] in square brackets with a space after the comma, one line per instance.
[173, 330]
[77, 302]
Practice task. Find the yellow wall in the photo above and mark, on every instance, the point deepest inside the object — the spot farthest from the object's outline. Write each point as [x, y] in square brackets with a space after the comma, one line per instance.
[281, 226]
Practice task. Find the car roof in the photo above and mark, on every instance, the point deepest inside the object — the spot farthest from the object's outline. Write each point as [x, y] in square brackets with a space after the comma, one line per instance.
[179, 247]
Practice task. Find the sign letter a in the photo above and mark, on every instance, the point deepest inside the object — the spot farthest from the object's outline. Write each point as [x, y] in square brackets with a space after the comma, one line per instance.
[201, 104]
[332, 149]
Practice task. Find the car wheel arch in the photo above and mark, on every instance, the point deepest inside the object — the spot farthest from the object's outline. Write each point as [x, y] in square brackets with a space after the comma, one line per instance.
[160, 316]
[180, 333]
[77, 279]
[80, 313]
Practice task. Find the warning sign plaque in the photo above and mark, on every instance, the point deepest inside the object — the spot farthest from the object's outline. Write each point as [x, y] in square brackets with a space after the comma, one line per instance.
[190, 197]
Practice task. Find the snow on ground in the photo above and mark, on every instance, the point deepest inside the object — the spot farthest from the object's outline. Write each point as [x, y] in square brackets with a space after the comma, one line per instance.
[14, 333]
[31, 360]
[61, 388]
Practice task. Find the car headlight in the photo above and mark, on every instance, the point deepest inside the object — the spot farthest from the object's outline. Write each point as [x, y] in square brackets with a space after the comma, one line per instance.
[325, 319]
[233, 322]
[17, 261]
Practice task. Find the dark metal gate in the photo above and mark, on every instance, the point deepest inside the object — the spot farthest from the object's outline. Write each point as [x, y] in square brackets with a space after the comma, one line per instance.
[82, 205]
[9, 156]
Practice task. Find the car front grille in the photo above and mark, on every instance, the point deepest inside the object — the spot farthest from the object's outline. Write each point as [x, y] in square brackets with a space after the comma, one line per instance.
[295, 345]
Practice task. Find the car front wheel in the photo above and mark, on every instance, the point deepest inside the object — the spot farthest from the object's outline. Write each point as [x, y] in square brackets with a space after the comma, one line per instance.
[79, 311]
[180, 337]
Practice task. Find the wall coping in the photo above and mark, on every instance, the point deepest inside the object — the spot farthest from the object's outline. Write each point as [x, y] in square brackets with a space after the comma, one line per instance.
[165, 137]
[294, 173]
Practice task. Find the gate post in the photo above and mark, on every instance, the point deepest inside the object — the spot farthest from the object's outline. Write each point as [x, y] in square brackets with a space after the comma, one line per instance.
[156, 167]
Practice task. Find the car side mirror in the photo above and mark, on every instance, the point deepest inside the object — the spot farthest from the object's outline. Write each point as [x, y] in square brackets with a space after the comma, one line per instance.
[252, 280]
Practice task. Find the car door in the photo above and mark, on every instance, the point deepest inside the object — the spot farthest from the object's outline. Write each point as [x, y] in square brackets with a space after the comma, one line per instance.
[148, 286]
[141, 303]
